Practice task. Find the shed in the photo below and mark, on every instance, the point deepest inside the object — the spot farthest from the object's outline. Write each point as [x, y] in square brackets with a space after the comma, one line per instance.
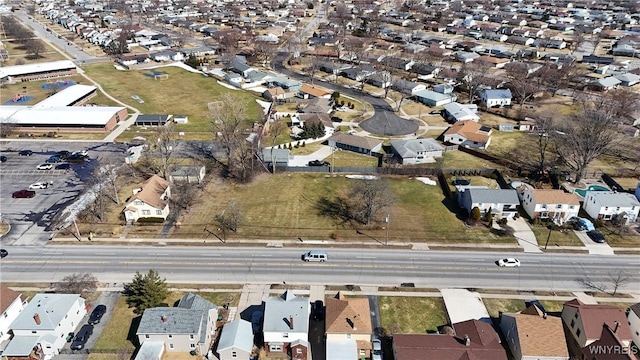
[152, 120]
[187, 174]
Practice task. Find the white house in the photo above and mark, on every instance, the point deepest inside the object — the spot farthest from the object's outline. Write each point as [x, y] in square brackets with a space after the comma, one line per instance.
[633, 319]
[417, 151]
[458, 112]
[556, 205]
[286, 321]
[11, 306]
[151, 200]
[502, 203]
[470, 134]
[609, 205]
[41, 328]
[496, 97]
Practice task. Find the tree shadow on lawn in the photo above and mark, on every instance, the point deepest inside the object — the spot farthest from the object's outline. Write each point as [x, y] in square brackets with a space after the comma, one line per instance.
[337, 208]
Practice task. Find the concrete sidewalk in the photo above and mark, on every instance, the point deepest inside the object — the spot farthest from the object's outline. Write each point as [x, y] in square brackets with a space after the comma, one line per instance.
[526, 238]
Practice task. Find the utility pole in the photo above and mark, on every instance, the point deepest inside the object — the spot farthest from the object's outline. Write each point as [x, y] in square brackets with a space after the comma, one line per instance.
[548, 237]
[386, 241]
[77, 231]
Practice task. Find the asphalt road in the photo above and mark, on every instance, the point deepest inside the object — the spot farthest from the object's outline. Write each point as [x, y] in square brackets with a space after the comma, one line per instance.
[383, 122]
[237, 265]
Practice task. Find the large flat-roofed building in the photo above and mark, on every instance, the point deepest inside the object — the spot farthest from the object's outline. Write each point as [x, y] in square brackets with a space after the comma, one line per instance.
[38, 71]
[62, 112]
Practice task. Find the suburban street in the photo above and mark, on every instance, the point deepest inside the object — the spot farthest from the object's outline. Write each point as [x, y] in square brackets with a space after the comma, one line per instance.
[239, 265]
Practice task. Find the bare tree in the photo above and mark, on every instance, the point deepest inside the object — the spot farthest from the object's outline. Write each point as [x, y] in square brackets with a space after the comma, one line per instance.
[545, 125]
[166, 145]
[619, 104]
[34, 47]
[275, 129]
[77, 283]
[265, 51]
[370, 197]
[588, 135]
[230, 219]
[522, 83]
[619, 279]
[471, 75]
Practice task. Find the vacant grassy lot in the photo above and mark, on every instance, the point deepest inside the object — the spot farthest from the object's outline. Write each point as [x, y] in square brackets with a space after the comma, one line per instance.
[348, 158]
[558, 238]
[411, 315]
[288, 206]
[183, 93]
[117, 336]
[616, 239]
[19, 55]
[494, 306]
[459, 160]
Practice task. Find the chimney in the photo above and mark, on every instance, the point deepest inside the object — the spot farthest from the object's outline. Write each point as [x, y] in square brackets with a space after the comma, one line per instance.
[36, 318]
[290, 322]
[616, 325]
[467, 341]
[164, 318]
[544, 316]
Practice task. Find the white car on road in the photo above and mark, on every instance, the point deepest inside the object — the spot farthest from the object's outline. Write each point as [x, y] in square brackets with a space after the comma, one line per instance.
[509, 262]
[39, 185]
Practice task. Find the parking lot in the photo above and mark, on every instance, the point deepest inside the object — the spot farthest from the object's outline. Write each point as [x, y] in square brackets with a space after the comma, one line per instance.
[30, 217]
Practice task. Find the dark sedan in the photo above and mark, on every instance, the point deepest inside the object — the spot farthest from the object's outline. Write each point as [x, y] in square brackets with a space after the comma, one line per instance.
[97, 314]
[25, 153]
[596, 236]
[3, 253]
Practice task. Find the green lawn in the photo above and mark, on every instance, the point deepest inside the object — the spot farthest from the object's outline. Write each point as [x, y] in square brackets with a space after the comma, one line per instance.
[411, 315]
[183, 93]
[348, 158]
[568, 238]
[460, 160]
[615, 239]
[494, 306]
[286, 206]
[117, 336]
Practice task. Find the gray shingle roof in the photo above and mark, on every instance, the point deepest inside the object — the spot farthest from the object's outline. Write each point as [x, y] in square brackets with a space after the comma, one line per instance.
[178, 321]
[278, 310]
[51, 308]
[412, 147]
[498, 93]
[195, 302]
[236, 334]
[493, 196]
[612, 199]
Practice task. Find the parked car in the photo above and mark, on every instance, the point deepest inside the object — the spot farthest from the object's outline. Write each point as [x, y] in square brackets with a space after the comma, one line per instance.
[596, 236]
[3, 158]
[435, 112]
[76, 158]
[39, 185]
[63, 166]
[81, 339]
[317, 310]
[376, 352]
[3, 253]
[45, 167]
[318, 163]
[97, 314]
[25, 153]
[54, 159]
[23, 194]
[63, 154]
[509, 262]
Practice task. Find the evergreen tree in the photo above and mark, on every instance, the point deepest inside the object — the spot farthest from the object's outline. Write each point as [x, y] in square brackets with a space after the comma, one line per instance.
[475, 214]
[146, 291]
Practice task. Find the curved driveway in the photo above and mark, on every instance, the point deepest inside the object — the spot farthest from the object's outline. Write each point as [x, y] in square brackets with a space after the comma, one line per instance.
[383, 122]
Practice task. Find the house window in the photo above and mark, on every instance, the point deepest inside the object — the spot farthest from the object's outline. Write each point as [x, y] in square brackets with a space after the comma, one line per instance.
[275, 347]
[34, 332]
[146, 212]
[544, 206]
[146, 336]
[138, 202]
[193, 346]
[234, 354]
[576, 315]
[285, 335]
[572, 207]
[348, 336]
[158, 212]
[5, 315]
[191, 337]
[544, 214]
[362, 352]
[578, 332]
[170, 346]
[298, 351]
[170, 336]
[559, 206]
[573, 323]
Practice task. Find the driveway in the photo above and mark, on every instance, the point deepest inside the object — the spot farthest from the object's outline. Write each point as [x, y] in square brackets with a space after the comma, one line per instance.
[303, 160]
[593, 247]
[383, 122]
[526, 238]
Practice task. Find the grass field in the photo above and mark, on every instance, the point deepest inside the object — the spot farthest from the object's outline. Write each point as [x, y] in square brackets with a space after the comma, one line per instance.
[557, 238]
[117, 336]
[183, 93]
[286, 206]
[348, 158]
[494, 306]
[411, 315]
[459, 160]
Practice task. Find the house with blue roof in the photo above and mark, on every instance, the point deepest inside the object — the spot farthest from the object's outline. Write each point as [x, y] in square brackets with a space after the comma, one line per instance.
[236, 341]
[190, 326]
[40, 331]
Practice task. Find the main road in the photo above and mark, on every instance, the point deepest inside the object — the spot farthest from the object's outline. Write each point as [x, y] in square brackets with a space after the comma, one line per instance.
[386, 267]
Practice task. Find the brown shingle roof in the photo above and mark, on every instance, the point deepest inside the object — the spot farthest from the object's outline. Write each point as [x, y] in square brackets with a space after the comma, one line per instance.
[357, 141]
[152, 190]
[594, 316]
[610, 343]
[314, 91]
[540, 335]
[324, 119]
[348, 316]
[7, 297]
[484, 344]
[554, 197]
[468, 129]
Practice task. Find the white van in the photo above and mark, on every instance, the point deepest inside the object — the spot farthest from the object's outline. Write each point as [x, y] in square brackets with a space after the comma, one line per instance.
[315, 255]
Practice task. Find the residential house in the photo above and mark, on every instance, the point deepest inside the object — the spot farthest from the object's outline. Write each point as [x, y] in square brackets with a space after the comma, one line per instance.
[318, 105]
[556, 205]
[584, 322]
[151, 200]
[279, 157]
[11, 305]
[189, 326]
[469, 133]
[358, 144]
[605, 84]
[417, 151]
[333, 67]
[492, 61]
[407, 87]
[496, 97]
[274, 93]
[433, 98]
[236, 341]
[466, 57]
[187, 174]
[315, 118]
[608, 347]
[531, 334]
[310, 91]
[443, 88]
[633, 319]
[237, 65]
[471, 339]
[628, 79]
[607, 205]
[424, 71]
[286, 83]
[40, 330]
[381, 79]
[503, 203]
[455, 112]
[286, 325]
[348, 323]
[358, 73]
